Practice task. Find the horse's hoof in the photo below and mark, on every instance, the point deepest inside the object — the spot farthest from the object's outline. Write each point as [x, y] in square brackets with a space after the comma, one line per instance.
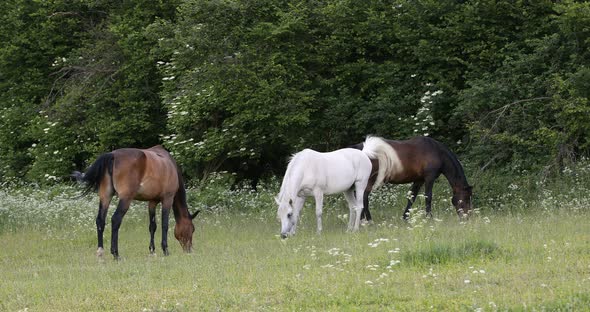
[166, 253]
[100, 252]
[366, 222]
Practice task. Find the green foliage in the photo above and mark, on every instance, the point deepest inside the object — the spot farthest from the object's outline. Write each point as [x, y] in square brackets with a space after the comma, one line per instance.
[234, 84]
[533, 103]
[89, 84]
[33, 36]
[240, 85]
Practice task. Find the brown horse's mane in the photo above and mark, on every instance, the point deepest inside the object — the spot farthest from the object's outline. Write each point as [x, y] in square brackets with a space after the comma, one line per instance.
[180, 206]
[452, 169]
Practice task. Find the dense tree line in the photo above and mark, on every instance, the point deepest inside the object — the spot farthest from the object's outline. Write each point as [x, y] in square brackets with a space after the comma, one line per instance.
[239, 85]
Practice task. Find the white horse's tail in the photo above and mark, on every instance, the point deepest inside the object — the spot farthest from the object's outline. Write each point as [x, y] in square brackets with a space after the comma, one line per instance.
[377, 148]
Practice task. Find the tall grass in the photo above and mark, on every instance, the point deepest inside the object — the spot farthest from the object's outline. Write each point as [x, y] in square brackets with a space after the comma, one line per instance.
[527, 247]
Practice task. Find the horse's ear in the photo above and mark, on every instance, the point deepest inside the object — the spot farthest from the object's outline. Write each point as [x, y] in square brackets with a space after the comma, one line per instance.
[195, 214]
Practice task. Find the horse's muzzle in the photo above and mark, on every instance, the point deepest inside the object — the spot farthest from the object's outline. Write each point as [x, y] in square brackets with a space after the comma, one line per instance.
[283, 235]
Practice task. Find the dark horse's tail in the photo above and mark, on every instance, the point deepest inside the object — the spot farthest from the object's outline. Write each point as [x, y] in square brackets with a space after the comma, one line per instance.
[95, 172]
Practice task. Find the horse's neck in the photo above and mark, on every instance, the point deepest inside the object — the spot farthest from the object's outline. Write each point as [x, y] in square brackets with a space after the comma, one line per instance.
[180, 206]
[291, 181]
[453, 171]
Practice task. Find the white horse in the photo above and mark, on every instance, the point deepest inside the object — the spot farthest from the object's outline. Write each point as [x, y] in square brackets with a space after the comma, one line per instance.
[347, 171]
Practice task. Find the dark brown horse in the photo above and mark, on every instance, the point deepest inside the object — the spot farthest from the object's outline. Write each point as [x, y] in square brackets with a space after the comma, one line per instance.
[420, 161]
[143, 174]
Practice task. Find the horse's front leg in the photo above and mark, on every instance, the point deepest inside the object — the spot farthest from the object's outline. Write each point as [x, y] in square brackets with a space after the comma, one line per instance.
[166, 206]
[116, 221]
[152, 212]
[319, 201]
[297, 206]
[428, 193]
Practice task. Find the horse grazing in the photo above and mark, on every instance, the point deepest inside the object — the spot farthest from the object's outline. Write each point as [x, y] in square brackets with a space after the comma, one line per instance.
[421, 160]
[143, 174]
[311, 173]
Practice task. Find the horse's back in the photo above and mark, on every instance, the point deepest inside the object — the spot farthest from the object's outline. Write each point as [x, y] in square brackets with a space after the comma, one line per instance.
[334, 172]
[336, 160]
[145, 174]
[128, 169]
[419, 156]
[420, 147]
[162, 168]
[347, 156]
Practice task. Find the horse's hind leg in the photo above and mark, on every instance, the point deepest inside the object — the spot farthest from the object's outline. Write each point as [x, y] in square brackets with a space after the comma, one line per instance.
[355, 204]
[319, 201]
[350, 199]
[103, 208]
[152, 212]
[116, 220]
[105, 195]
[413, 193]
[366, 214]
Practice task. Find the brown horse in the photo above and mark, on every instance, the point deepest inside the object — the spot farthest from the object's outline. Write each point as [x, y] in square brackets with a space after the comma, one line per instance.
[421, 160]
[143, 174]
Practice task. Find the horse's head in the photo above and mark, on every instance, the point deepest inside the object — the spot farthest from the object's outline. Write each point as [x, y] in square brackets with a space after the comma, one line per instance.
[462, 200]
[287, 216]
[183, 231]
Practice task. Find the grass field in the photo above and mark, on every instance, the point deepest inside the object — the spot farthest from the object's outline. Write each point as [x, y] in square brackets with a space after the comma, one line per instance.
[534, 259]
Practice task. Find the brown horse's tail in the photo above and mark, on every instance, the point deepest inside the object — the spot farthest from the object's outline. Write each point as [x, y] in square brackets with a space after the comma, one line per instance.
[94, 174]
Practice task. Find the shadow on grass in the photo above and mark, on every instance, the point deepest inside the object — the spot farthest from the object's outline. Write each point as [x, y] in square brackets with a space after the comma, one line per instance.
[442, 253]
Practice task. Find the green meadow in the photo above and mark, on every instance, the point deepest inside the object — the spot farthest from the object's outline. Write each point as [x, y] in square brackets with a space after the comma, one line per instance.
[517, 252]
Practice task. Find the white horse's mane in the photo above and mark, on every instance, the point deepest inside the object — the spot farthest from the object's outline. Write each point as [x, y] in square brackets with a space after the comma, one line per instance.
[294, 160]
